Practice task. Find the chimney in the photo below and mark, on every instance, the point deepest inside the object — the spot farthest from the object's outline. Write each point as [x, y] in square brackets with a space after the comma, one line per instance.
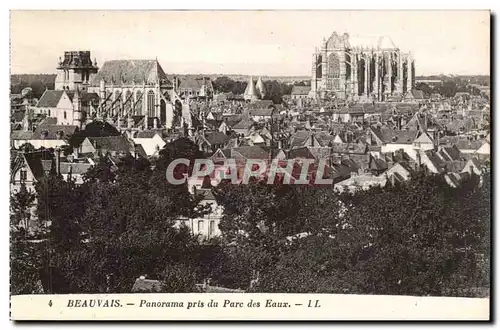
[419, 160]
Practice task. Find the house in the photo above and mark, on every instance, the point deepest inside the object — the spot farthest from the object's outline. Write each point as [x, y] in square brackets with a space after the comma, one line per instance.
[399, 172]
[114, 145]
[64, 105]
[243, 127]
[195, 87]
[473, 165]
[150, 140]
[206, 227]
[423, 142]
[303, 138]
[259, 115]
[300, 92]
[484, 150]
[391, 140]
[447, 153]
[20, 137]
[68, 170]
[52, 136]
[211, 141]
[28, 168]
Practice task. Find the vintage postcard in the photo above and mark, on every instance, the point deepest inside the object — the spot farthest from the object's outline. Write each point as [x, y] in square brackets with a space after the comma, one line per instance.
[250, 165]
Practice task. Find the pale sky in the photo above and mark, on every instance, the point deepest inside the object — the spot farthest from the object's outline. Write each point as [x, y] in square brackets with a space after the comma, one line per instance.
[272, 43]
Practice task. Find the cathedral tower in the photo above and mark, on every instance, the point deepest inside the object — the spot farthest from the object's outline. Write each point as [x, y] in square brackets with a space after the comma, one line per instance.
[75, 71]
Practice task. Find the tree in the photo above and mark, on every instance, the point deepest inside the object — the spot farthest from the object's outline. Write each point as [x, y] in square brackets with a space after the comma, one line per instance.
[21, 204]
[426, 89]
[27, 147]
[93, 129]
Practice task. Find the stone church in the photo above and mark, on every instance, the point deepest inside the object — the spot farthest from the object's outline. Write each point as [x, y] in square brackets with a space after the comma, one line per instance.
[126, 91]
[361, 69]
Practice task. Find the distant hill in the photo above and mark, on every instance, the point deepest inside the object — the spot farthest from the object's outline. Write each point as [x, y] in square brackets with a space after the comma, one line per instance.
[483, 80]
[239, 77]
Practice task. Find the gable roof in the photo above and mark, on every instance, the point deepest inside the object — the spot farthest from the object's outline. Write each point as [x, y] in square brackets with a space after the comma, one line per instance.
[50, 99]
[111, 143]
[52, 132]
[21, 135]
[131, 71]
[216, 138]
[388, 135]
[149, 134]
[417, 94]
[251, 152]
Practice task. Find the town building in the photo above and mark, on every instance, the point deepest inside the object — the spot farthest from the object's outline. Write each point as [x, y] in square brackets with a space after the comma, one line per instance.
[357, 68]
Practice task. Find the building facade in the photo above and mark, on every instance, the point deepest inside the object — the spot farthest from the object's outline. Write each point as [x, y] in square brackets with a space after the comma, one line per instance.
[129, 88]
[369, 69]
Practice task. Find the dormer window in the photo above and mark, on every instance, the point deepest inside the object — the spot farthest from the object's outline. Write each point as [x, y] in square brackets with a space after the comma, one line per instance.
[23, 174]
[44, 134]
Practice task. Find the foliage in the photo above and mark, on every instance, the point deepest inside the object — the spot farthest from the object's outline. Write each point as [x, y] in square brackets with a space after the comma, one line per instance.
[420, 237]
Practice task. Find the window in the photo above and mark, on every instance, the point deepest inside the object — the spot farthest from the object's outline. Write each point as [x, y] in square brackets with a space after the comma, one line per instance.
[64, 114]
[211, 228]
[200, 226]
[23, 175]
[151, 104]
[49, 112]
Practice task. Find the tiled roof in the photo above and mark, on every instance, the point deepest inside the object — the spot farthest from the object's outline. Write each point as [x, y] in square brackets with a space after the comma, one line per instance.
[146, 286]
[303, 152]
[34, 161]
[243, 124]
[21, 135]
[417, 94]
[260, 104]
[49, 99]
[216, 138]
[261, 112]
[251, 152]
[388, 135]
[149, 134]
[131, 71]
[299, 138]
[354, 148]
[74, 168]
[52, 132]
[190, 83]
[111, 143]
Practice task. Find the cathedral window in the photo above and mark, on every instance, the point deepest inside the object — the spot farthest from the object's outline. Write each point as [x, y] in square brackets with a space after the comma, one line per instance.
[151, 104]
[333, 66]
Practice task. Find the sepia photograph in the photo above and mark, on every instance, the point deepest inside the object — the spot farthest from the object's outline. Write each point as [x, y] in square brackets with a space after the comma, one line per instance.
[330, 153]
